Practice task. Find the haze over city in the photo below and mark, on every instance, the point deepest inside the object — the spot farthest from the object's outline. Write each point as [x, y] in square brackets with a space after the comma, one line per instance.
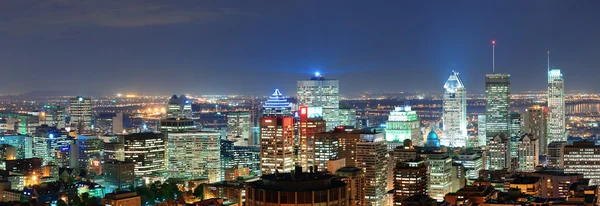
[241, 47]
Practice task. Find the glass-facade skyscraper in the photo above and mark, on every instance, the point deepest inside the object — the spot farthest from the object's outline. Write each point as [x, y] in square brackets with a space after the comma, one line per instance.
[81, 114]
[455, 112]
[321, 92]
[556, 107]
[497, 96]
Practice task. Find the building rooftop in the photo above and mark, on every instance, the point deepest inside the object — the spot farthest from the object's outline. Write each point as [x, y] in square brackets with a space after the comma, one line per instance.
[297, 181]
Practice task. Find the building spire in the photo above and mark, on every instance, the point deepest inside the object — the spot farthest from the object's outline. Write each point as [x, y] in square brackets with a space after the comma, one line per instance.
[548, 60]
[494, 56]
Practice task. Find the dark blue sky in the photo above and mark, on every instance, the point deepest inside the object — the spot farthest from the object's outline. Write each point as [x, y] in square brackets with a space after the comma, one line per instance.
[239, 47]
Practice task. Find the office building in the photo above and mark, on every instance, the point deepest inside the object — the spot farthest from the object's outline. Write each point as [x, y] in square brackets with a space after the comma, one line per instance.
[80, 111]
[403, 124]
[22, 143]
[276, 144]
[307, 129]
[53, 116]
[499, 147]
[114, 151]
[516, 124]
[556, 107]
[410, 178]
[179, 107]
[372, 156]
[555, 184]
[297, 188]
[277, 105]
[46, 140]
[118, 175]
[440, 174]
[326, 149]
[473, 163]
[147, 150]
[583, 158]
[117, 123]
[91, 149]
[193, 155]
[405, 153]
[347, 117]
[239, 128]
[455, 112]
[481, 133]
[355, 178]
[535, 121]
[347, 141]
[528, 154]
[497, 96]
[176, 125]
[556, 151]
[321, 92]
[459, 176]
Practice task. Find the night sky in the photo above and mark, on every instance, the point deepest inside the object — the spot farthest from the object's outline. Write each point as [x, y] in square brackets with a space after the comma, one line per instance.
[242, 47]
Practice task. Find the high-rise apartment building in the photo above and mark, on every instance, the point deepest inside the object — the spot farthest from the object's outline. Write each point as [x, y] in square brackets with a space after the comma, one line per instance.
[307, 129]
[239, 128]
[372, 156]
[556, 107]
[556, 151]
[276, 144]
[179, 107]
[528, 153]
[321, 92]
[403, 124]
[535, 121]
[455, 112]
[583, 158]
[499, 147]
[410, 178]
[497, 96]
[80, 111]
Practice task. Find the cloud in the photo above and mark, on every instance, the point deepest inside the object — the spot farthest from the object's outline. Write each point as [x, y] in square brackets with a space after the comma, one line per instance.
[27, 16]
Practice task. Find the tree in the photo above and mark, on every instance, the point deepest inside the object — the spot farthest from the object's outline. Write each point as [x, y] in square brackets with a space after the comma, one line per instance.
[199, 192]
[61, 203]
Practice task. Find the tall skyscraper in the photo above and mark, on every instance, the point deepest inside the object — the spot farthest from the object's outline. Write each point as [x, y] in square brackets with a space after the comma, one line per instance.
[535, 121]
[499, 147]
[277, 105]
[179, 107]
[497, 96]
[321, 92]
[556, 107]
[455, 112]
[276, 144]
[403, 124]
[239, 128]
[372, 156]
[80, 110]
[528, 154]
[410, 178]
[440, 174]
[307, 130]
[481, 131]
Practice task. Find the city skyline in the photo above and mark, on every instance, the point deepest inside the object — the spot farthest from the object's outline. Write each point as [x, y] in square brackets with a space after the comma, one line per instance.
[199, 41]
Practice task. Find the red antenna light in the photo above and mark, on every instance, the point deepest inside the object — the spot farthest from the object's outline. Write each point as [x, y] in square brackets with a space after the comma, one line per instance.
[493, 42]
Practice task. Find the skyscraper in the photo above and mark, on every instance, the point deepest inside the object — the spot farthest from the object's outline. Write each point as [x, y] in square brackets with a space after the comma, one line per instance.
[238, 128]
[556, 151]
[179, 107]
[372, 155]
[535, 121]
[307, 130]
[481, 132]
[556, 107]
[147, 150]
[455, 112]
[277, 105]
[403, 124]
[194, 154]
[499, 147]
[410, 178]
[584, 158]
[497, 96]
[276, 144]
[80, 110]
[528, 154]
[321, 92]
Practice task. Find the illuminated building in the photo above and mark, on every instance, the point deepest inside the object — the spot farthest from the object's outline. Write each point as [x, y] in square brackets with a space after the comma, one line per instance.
[179, 107]
[176, 125]
[297, 188]
[277, 105]
[321, 92]
[536, 119]
[53, 116]
[403, 124]
[276, 144]
[516, 124]
[528, 154]
[348, 140]
[326, 149]
[555, 184]
[455, 112]
[80, 110]
[194, 154]
[90, 152]
[497, 96]
[404, 153]
[481, 133]
[583, 158]
[238, 128]
[439, 166]
[355, 178]
[410, 178]
[22, 143]
[473, 163]
[499, 147]
[347, 117]
[46, 140]
[307, 130]
[121, 199]
[556, 107]
[118, 175]
[28, 166]
[476, 195]
[114, 151]
[372, 156]
[556, 151]
[459, 176]
[147, 150]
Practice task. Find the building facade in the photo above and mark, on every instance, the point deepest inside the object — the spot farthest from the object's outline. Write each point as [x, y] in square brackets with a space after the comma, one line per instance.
[583, 158]
[556, 151]
[556, 107]
[535, 122]
[147, 150]
[497, 96]
[239, 128]
[455, 112]
[410, 178]
[528, 153]
[80, 111]
[276, 144]
[321, 92]
[403, 124]
[193, 155]
[499, 147]
[307, 129]
[372, 156]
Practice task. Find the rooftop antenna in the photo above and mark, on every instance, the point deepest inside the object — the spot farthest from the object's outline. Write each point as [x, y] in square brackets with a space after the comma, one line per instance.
[494, 56]
[548, 60]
